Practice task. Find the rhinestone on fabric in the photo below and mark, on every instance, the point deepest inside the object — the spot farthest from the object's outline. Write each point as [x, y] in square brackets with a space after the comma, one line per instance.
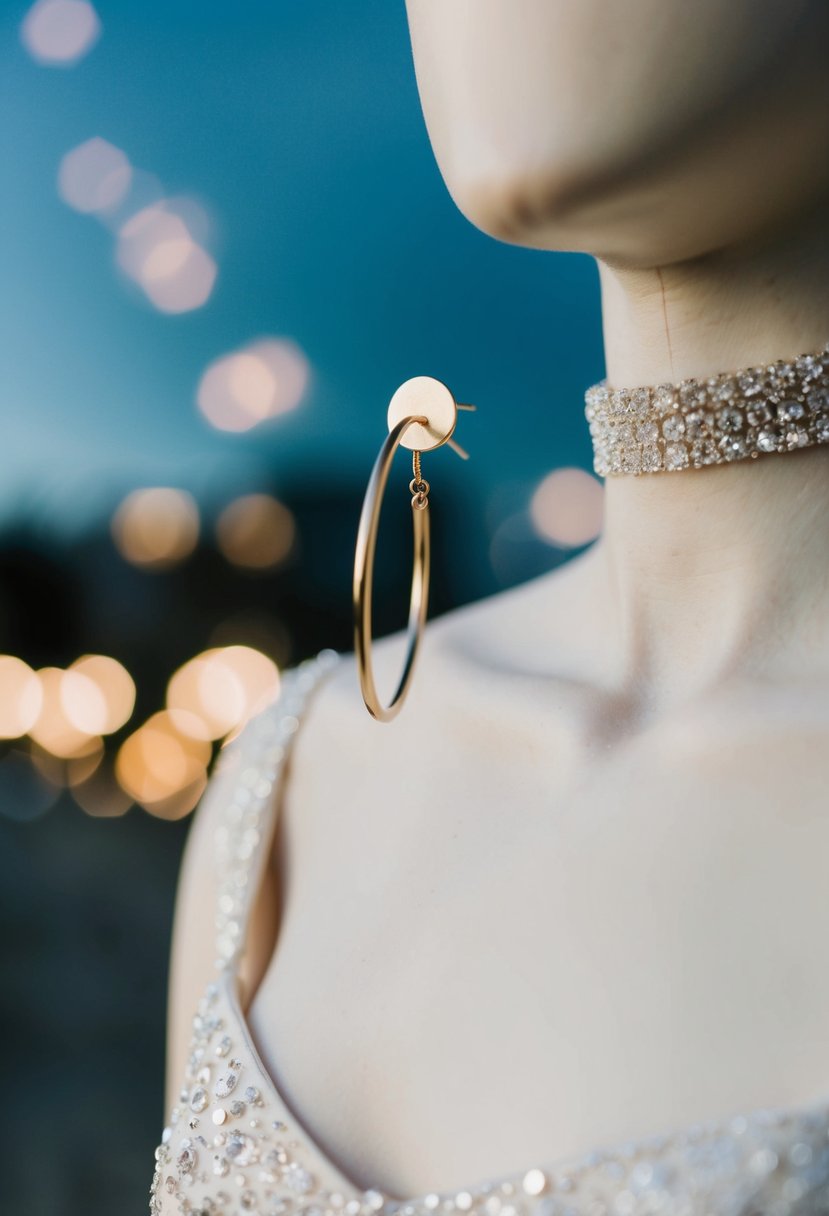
[775, 407]
[247, 1155]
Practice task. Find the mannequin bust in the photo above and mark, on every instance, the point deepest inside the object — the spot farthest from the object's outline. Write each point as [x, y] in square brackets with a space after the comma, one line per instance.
[577, 891]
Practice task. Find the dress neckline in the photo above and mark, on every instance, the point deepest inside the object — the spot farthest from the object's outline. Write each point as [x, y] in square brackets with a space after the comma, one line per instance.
[531, 1179]
[530, 1175]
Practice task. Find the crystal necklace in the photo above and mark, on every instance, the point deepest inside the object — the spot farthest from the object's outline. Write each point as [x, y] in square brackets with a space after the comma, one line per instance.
[774, 407]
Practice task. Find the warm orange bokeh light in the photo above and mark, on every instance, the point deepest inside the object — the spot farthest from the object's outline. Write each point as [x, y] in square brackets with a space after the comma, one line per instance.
[219, 689]
[156, 527]
[256, 531]
[21, 697]
[53, 729]
[105, 695]
[161, 769]
[567, 507]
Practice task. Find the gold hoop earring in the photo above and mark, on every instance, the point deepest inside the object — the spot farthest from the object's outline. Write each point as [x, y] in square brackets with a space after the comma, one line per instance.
[422, 415]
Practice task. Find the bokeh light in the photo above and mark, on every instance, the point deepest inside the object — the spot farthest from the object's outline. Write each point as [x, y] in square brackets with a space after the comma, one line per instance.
[53, 728]
[256, 531]
[162, 769]
[21, 697]
[60, 32]
[158, 251]
[567, 507]
[95, 176]
[218, 690]
[248, 386]
[104, 694]
[156, 527]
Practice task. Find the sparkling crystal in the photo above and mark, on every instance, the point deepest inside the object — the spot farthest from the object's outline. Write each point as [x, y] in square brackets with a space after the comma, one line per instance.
[673, 427]
[664, 398]
[730, 420]
[722, 390]
[704, 451]
[199, 1099]
[767, 441]
[647, 432]
[651, 458]
[733, 447]
[692, 393]
[809, 367]
[241, 1148]
[695, 423]
[534, 1181]
[187, 1158]
[676, 456]
[298, 1178]
[750, 383]
[225, 1084]
[790, 411]
[758, 414]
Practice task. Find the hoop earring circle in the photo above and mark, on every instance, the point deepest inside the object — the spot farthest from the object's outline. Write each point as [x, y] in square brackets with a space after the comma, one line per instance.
[364, 575]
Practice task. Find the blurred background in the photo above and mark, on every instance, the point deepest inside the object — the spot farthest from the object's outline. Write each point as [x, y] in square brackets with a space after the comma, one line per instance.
[225, 242]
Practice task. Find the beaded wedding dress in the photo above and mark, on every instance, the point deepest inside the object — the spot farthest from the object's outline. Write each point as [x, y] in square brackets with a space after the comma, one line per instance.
[233, 1145]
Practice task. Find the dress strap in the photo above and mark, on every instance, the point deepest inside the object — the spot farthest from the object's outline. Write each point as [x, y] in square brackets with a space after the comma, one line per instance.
[249, 766]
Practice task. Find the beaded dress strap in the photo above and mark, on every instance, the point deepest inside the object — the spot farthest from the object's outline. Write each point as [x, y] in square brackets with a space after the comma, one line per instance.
[255, 758]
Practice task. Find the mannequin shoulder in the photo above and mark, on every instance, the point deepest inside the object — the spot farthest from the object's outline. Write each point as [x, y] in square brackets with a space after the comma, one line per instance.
[479, 652]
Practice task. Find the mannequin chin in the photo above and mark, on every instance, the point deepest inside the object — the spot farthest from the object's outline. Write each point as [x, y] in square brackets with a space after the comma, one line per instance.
[642, 131]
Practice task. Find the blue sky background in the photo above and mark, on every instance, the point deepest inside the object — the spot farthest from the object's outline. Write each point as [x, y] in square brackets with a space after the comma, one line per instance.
[298, 128]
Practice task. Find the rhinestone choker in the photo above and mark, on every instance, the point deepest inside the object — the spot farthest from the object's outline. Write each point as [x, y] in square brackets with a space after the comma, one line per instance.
[775, 407]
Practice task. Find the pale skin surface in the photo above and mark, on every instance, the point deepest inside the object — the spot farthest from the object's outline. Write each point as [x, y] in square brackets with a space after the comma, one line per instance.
[577, 892]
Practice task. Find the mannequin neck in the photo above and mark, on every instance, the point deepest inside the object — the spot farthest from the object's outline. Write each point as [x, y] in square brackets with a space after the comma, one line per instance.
[717, 569]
